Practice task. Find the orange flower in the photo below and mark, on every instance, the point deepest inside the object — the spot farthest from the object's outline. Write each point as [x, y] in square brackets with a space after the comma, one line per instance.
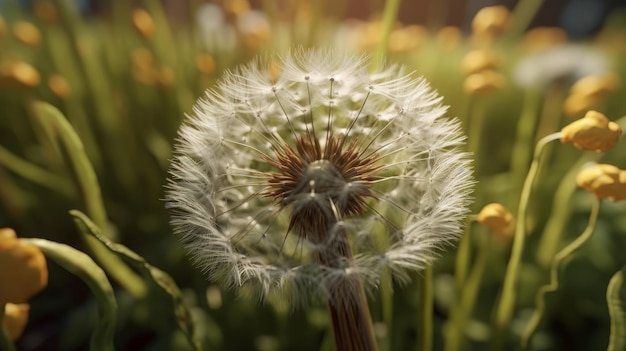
[592, 132]
[497, 218]
[604, 181]
[483, 82]
[15, 319]
[23, 268]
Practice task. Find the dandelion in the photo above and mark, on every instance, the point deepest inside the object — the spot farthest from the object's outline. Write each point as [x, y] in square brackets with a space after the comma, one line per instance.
[317, 181]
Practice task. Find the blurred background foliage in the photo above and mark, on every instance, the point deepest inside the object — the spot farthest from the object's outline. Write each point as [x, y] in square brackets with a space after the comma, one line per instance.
[125, 74]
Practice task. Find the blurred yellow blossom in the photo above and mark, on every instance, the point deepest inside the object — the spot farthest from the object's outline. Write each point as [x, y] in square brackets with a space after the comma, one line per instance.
[27, 33]
[407, 38]
[497, 218]
[480, 60]
[143, 23]
[489, 22]
[205, 63]
[592, 132]
[540, 38]
[59, 86]
[597, 85]
[15, 319]
[18, 74]
[236, 7]
[23, 268]
[483, 82]
[576, 104]
[449, 37]
[604, 181]
[45, 11]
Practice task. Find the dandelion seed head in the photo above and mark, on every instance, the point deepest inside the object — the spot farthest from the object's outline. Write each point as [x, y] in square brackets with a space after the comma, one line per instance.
[290, 182]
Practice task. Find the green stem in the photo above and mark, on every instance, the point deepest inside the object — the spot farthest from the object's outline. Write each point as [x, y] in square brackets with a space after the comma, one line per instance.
[506, 303]
[617, 314]
[386, 292]
[390, 14]
[535, 319]
[34, 173]
[525, 132]
[81, 265]
[61, 131]
[462, 313]
[463, 255]
[523, 15]
[425, 313]
[6, 343]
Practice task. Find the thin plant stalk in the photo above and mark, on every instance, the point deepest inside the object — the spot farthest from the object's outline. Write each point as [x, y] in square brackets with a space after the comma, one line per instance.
[468, 292]
[463, 255]
[523, 14]
[6, 343]
[525, 132]
[565, 253]
[425, 313]
[506, 302]
[390, 14]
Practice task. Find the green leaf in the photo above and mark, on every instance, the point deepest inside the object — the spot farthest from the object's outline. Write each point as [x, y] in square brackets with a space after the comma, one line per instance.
[159, 277]
[615, 301]
[81, 265]
[61, 132]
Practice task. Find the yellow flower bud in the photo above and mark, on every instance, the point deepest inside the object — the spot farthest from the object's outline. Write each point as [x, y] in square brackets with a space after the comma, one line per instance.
[497, 218]
[604, 181]
[205, 63]
[45, 11]
[540, 38]
[483, 82]
[480, 60]
[23, 268]
[15, 319]
[18, 74]
[27, 33]
[59, 86]
[491, 20]
[592, 132]
[407, 38]
[577, 104]
[143, 23]
[449, 37]
[236, 7]
[597, 85]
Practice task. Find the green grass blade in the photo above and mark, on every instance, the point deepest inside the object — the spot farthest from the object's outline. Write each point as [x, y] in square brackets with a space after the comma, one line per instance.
[159, 277]
[60, 131]
[617, 312]
[81, 265]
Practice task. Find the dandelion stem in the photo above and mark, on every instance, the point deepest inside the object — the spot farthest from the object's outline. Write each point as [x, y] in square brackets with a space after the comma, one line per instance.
[390, 14]
[425, 305]
[349, 311]
[506, 303]
[566, 252]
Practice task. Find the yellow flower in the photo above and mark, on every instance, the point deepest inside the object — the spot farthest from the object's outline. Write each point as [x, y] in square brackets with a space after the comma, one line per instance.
[595, 85]
[480, 60]
[205, 63]
[497, 218]
[540, 38]
[27, 33]
[18, 74]
[23, 268]
[59, 86]
[490, 21]
[449, 37]
[407, 38]
[604, 181]
[483, 82]
[143, 23]
[592, 132]
[15, 319]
